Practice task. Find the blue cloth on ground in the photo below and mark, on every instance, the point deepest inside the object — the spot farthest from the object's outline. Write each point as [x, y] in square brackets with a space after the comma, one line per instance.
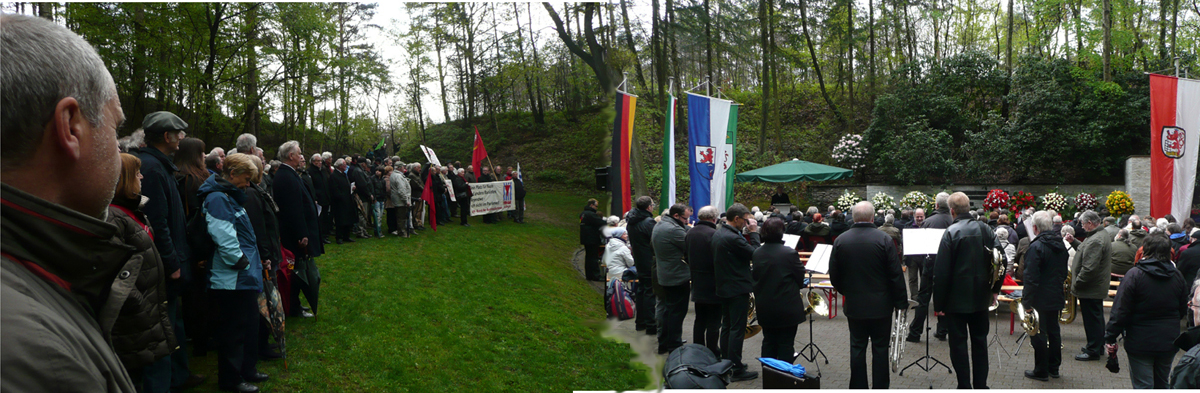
[780, 365]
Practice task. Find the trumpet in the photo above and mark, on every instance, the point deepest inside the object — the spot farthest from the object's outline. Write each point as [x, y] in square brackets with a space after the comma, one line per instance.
[1029, 318]
[1067, 315]
[899, 324]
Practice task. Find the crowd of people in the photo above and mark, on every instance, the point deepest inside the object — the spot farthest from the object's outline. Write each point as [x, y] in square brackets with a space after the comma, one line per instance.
[119, 252]
[723, 258]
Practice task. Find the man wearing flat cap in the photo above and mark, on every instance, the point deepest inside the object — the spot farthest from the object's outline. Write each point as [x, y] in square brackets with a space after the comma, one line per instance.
[164, 210]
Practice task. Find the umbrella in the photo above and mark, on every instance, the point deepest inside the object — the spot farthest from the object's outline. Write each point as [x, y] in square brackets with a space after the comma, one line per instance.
[270, 305]
[795, 170]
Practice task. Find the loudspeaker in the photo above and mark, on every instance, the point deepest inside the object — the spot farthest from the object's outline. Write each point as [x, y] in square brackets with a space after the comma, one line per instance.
[602, 178]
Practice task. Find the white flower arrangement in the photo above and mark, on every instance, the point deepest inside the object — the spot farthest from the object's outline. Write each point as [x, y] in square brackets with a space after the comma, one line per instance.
[1054, 201]
[847, 200]
[917, 200]
[883, 201]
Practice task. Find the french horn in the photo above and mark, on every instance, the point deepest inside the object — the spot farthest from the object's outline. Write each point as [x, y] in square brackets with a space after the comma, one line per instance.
[752, 327]
[815, 304]
[996, 274]
[1028, 317]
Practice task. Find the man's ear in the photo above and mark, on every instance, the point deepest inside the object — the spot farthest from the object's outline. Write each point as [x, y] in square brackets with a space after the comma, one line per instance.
[67, 127]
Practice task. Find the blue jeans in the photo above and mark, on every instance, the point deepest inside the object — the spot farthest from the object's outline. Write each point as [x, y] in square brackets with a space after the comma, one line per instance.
[377, 214]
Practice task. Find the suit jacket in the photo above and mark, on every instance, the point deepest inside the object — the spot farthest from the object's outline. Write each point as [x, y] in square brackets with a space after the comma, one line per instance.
[165, 212]
[297, 213]
[700, 258]
[778, 277]
[340, 200]
[320, 180]
[732, 254]
[962, 268]
[640, 227]
[865, 267]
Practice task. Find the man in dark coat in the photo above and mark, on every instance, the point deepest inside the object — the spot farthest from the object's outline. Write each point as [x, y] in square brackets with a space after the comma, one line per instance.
[364, 192]
[941, 219]
[670, 253]
[1045, 271]
[417, 184]
[342, 202]
[319, 173]
[732, 255]
[493, 218]
[1189, 259]
[962, 289]
[518, 198]
[590, 237]
[865, 268]
[640, 224]
[706, 329]
[462, 192]
[298, 227]
[165, 212]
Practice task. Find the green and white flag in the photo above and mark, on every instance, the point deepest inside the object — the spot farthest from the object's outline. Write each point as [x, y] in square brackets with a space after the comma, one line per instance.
[668, 166]
[730, 162]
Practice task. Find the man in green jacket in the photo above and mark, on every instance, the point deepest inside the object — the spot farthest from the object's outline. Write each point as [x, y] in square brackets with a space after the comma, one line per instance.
[1090, 276]
[62, 277]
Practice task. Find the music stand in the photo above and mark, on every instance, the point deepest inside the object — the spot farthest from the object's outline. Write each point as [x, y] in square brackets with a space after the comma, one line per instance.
[996, 338]
[927, 358]
[811, 348]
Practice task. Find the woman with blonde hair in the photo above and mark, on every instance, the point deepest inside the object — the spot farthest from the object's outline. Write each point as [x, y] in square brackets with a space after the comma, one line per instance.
[236, 273]
[141, 331]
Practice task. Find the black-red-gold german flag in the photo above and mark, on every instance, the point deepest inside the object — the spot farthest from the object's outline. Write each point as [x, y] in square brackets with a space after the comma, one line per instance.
[622, 137]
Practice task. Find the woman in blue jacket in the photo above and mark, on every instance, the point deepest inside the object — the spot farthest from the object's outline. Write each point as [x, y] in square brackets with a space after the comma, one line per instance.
[236, 273]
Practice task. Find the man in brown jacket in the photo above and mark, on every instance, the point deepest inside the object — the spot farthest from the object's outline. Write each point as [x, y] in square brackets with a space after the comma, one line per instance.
[61, 275]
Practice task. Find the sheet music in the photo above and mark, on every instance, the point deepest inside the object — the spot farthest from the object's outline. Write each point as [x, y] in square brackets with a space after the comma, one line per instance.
[819, 261]
[791, 240]
[922, 241]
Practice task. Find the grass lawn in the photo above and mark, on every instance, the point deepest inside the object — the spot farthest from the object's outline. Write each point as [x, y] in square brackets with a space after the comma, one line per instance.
[486, 308]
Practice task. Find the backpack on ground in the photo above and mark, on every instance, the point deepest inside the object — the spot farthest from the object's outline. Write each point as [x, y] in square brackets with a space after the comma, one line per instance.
[617, 301]
[694, 366]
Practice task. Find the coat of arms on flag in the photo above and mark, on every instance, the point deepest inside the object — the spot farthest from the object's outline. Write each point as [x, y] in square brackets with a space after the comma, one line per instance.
[1173, 142]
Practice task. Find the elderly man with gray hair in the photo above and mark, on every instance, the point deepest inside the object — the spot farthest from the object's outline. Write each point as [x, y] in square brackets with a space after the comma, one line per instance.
[246, 143]
[1045, 270]
[59, 165]
[299, 231]
[1090, 278]
[706, 329]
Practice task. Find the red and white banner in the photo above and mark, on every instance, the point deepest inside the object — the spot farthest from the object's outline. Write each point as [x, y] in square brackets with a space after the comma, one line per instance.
[1174, 124]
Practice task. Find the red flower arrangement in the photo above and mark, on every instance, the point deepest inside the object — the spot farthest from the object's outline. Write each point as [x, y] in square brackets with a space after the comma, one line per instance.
[1022, 200]
[1085, 201]
[996, 199]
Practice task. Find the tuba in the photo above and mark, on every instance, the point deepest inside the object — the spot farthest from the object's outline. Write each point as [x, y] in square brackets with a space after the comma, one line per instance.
[1029, 318]
[899, 327]
[752, 327]
[815, 304]
[996, 274]
[1067, 315]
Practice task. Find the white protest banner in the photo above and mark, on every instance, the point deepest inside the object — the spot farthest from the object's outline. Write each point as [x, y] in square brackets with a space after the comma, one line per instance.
[922, 241]
[491, 197]
[430, 155]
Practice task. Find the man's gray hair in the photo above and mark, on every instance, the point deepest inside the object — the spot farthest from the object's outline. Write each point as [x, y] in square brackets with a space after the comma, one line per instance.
[1110, 220]
[43, 64]
[1041, 220]
[863, 212]
[1056, 219]
[285, 150]
[460, 171]
[811, 210]
[707, 213]
[1089, 217]
[1002, 234]
[133, 141]
[326, 155]
[316, 157]
[1067, 230]
[212, 160]
[217, 151]
[339, 162]
[940, 201]
[246, 142]
[889, 219]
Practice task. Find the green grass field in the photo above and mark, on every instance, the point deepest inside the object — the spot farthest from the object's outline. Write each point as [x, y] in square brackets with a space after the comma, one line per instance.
[486, 308]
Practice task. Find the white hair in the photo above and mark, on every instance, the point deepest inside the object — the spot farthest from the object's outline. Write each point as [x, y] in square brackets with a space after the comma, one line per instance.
[339, 162]
[1041, 220]
[285, 150]
[246, 142]
[43, 64]
[326, 155]
[1002, 234]
[1161, 223]
[613, 220]
[941, 200]
[1067, 230]
[863, 211]
[317, 156]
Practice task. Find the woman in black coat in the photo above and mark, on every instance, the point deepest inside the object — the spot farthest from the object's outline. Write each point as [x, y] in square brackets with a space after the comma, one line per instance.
[1150, 302]
[778, 277]
[590, 224]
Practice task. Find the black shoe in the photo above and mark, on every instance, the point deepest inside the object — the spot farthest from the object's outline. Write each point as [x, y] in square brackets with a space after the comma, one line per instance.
[913, 339]
[653, 331]
[940, 337]
[242, 388]
[339, 241]
[1086, 357]
[257, 377]
[744, 375]
[193, 381]
[1033, 375]
[1055, 374]
[325, 241]
[349, 240]
[466, 224]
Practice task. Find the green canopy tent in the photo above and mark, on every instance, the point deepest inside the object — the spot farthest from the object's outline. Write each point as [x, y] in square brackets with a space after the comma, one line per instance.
[794, 170]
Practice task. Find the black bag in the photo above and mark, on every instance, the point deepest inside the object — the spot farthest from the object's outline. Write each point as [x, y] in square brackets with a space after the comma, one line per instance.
[199, 241]
[694, 366]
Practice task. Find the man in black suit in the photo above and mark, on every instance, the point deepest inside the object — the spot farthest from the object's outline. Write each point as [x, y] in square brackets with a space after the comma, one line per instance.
[342, 202]
[732, 255]
[962, 289]
[865, 268]
[941, 219]
[299, 231]
[1045, 271]
[706, 330]
[318, 171]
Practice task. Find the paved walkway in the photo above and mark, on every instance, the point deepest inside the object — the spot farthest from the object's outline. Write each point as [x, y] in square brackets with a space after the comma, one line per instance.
[1006, 370]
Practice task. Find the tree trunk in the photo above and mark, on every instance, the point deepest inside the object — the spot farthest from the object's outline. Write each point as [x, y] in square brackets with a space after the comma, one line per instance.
[764, 20]
[637, 65]
[1107, 26]
[539, 114]
[708, 62]
[1008, 46]
[871, 61]
[437, 48]
[817, 65]
[850, 56]
[251, 88]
